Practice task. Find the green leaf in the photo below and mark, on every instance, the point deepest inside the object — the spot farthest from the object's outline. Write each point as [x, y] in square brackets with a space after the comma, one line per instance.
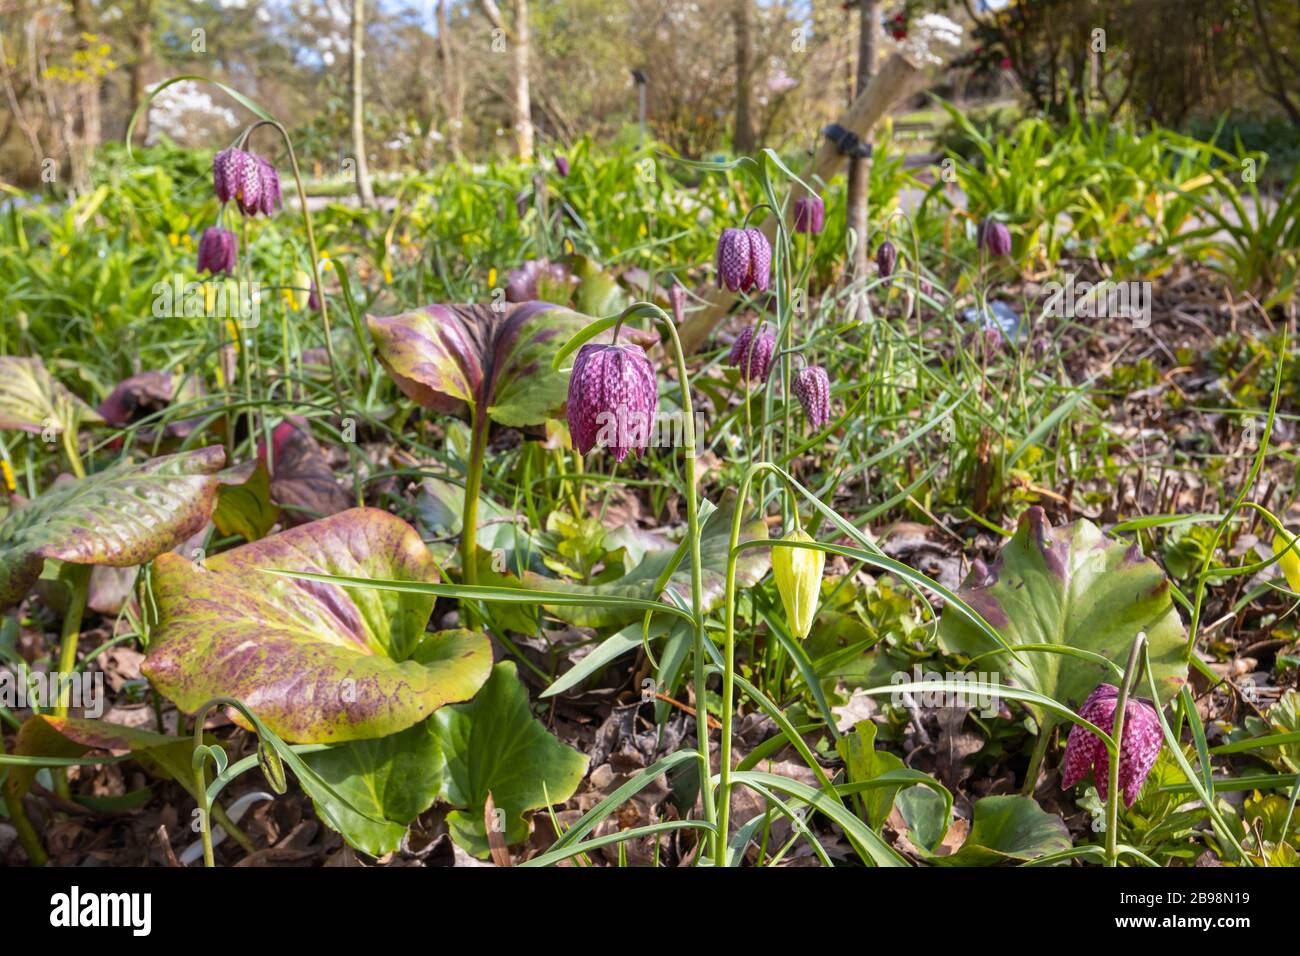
[31, 399]
[494, 745]
[1008, 828]
[122, 516]
[715, 538]
[391, 780]
[246, 509]
[455, 358]
[317, 662]
[1075, 589]
[862, 762]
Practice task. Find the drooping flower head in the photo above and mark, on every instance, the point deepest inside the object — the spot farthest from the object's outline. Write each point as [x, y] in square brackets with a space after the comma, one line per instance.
[744, 260]
[813, 389]
[886, 258]
[752, 352]
[562, 164]
[251, 181]
[218, 251]
[809, 214]
[613, 398]
[994, 238]
[1085, 752]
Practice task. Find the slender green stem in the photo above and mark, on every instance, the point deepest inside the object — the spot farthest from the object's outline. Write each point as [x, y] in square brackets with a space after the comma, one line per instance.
[27, 835]
[1116, 749]
[469, 512]
[69, 438]
[77, 577]
[1036, 759]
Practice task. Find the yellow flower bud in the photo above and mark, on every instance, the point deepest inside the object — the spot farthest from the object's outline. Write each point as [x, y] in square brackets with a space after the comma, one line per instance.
[1288, 563]
[798, 573]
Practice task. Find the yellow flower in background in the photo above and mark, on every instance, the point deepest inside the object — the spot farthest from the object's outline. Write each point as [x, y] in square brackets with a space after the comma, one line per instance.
[798, 573]
[388, 274]
[173, 239]
[234, 334]
[492, 278]
[641, 230]
[10, 484]
[1289, 562]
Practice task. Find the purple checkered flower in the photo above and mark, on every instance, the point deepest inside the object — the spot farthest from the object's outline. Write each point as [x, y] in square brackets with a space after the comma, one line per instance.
[752, 352]
[613, 398]
[269, 200]
[813, 389]
[218, 251]
[236, 175]
[994, 238]
[809, 214]
[562, 164]
[886, 258]
[744, 260]
[1085, 752]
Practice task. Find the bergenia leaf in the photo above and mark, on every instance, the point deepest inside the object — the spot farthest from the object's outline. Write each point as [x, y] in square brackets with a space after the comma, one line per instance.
[1074, 588]
[317, 662]
[122, 516]
[453, 358]
[31, 399]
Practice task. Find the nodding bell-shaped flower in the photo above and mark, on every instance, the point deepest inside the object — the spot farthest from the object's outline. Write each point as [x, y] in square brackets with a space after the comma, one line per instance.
[809, 214]
[218, 251]
[813, 389]
[744, 260]
[798, 573]
[248, 179]
[1085, 752]
[562, 164]
[994, 238]
[613, 398]
[886, 258]
[752, 352]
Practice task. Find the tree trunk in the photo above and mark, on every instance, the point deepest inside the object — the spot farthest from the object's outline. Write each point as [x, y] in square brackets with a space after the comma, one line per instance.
[143, 65]
[452, 82]
[859, 169]
[365, 193]
[523, 101]
[742, 140]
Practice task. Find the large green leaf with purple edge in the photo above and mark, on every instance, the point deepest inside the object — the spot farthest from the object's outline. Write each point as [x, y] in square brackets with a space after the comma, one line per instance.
[455, 358]
[1072, 587]
[316, 662]
[31, 399]
[122, 516]
[715, 541]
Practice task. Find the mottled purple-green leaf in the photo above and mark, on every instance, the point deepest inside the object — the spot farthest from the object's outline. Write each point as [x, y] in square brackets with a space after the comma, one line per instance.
[316, 662]
[32, 400]
[122, 516]
[454, 358]
[1076, 588]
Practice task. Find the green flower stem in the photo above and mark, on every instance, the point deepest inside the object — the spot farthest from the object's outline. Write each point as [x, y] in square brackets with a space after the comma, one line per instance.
[469, 512]
[1036, 759]
[68, 436]
[27, 835]
[1115, 749]
[729, 655]
[653, 311]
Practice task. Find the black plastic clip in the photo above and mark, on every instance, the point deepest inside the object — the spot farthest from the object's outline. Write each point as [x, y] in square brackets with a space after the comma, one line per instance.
[847, 142]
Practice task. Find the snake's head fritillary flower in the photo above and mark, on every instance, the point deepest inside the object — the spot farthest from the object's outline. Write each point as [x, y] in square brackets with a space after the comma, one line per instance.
[562, 164]
[798, 573]
[813, 389]
[1085, 752]
[752, 352]
[809, 214]
[218, 251]
[744, 260]
[237, 175]
[994, 238]
[613, 398]
[886, 258]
